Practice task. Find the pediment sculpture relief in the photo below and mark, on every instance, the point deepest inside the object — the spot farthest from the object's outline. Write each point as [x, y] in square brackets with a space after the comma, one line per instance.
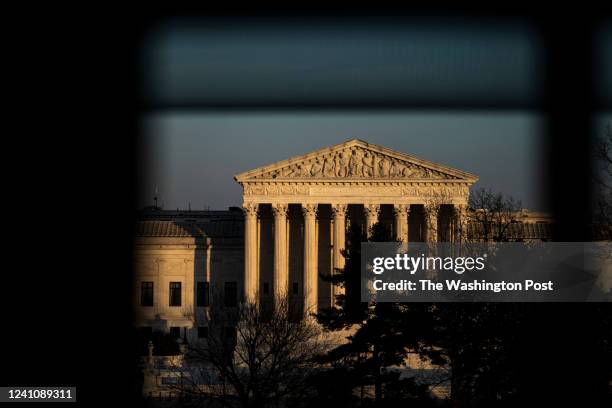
[354, 162]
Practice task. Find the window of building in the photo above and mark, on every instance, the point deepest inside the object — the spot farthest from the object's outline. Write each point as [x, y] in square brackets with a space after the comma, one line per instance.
[175, 293]
[231, 294]
[202, 332]
[203, 294]
[266, 288]
[175, 332]
[294, 288]
[146, 294]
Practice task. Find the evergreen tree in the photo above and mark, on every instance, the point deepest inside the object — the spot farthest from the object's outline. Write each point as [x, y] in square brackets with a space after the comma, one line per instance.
[475, 341]
[383, 335]
[348, 309]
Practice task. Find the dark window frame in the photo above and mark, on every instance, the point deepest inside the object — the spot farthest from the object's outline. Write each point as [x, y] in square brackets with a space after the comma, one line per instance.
[148, 299]
[175, 295]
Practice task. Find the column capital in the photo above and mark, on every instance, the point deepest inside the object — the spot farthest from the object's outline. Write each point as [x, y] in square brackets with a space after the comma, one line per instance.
[401, 213]
[371, 212]
[431, 222]
[310, 210]
[339, 210]
[431, 210]
[460, 212]
[280, 209]
[401, 209]
[460, 209]
[371, 209]
[250, 209]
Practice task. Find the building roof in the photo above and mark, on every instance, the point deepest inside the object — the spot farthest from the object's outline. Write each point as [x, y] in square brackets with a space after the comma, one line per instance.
[181, 229]
[151, 213]
[536, 230]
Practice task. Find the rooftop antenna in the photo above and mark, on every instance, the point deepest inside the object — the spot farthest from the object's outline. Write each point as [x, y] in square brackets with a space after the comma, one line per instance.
[155, 196]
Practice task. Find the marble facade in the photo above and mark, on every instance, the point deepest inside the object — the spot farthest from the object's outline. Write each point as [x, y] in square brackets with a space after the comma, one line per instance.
[296, 212]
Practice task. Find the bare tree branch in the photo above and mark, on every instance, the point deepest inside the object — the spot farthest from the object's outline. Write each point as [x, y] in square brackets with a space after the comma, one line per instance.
[263, 354]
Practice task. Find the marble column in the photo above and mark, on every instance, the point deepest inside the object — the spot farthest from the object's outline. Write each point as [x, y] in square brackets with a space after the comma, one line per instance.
[281, 259]
[431, 223]
[310, 259]
[371, 212]
[251, 278]
[401, 213]
[460, 218]
[339, 236]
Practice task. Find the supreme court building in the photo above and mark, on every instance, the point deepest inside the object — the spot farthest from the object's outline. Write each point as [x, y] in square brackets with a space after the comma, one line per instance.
[296, 211]
[291, 228]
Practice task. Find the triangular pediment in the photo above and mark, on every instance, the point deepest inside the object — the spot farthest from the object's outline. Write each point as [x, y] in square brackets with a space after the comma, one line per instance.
[354, 160]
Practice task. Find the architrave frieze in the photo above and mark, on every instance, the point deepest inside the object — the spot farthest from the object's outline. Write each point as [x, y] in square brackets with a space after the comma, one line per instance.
[354, 191]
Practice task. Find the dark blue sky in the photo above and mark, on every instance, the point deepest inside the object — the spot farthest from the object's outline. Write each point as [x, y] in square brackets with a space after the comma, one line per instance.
[255, 61]
[207, 63]
[194, 156]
